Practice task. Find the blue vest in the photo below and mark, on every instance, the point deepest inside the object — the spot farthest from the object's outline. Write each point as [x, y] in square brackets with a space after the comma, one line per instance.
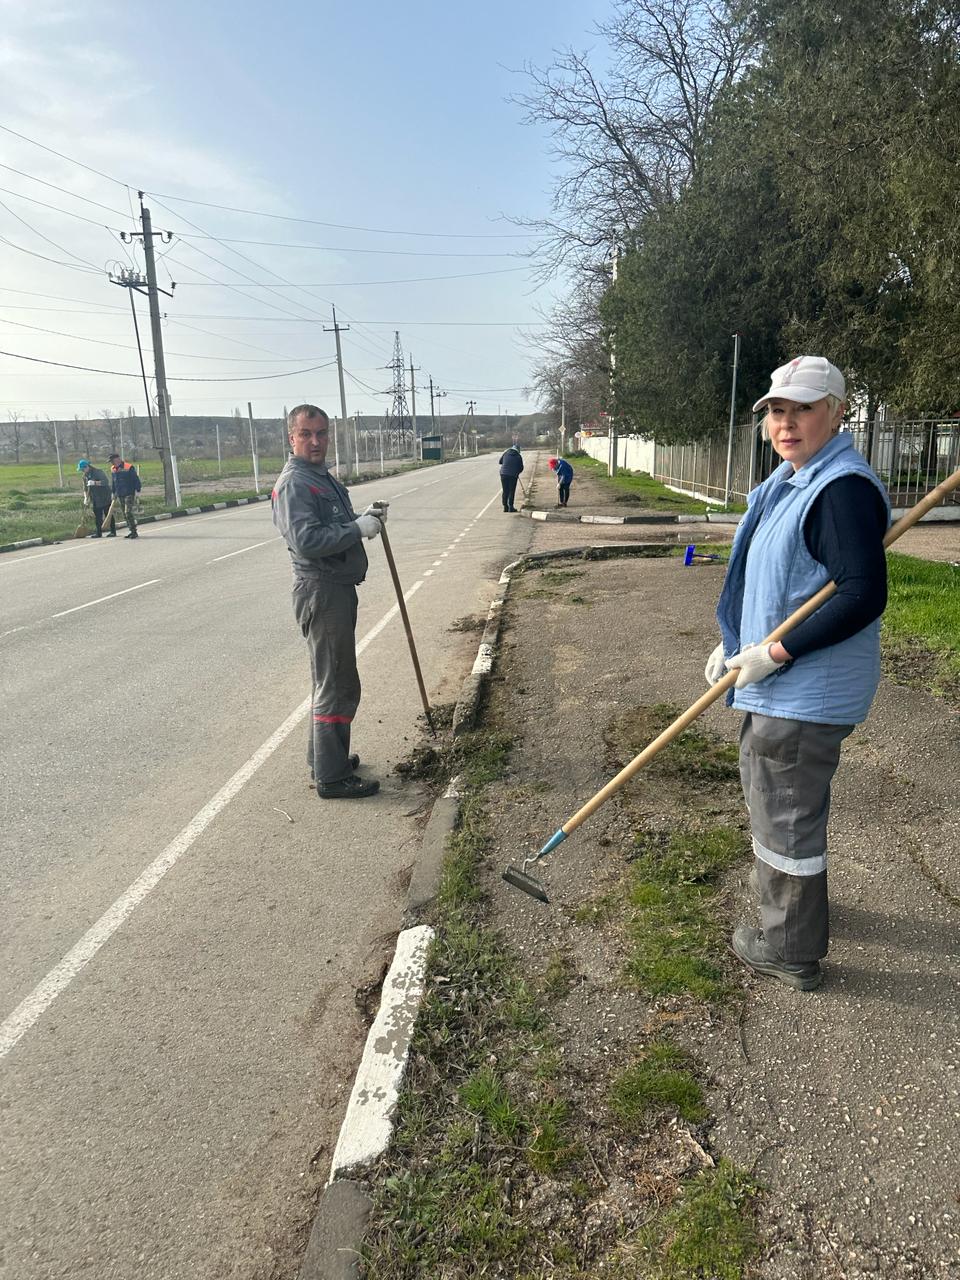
[771, 573]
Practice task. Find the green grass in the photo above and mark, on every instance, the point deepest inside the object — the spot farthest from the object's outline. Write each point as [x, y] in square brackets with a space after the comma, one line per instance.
[32, 505]
[921, 626]
[692, 759]
[661, 1081]
[673, 924]
[709, 1233]
[638, 488]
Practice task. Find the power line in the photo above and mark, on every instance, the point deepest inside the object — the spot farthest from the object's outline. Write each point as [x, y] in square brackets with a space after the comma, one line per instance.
[56, 208]
[117, 373]
[74, 195]
[46, 257]
[346, 226]
[23, 138]
[348, 284]
[125, 346]
[333, 248]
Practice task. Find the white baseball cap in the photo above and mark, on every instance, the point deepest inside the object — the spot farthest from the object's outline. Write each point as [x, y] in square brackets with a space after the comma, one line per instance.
[804, 380]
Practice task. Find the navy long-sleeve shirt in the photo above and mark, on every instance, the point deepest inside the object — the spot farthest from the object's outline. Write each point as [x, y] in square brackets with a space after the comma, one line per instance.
[844, 531]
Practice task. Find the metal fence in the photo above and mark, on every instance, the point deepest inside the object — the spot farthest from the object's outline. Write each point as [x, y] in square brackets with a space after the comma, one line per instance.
[911, 458]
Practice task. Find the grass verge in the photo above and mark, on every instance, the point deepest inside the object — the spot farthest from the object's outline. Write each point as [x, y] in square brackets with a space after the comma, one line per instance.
[921, 625]
[491, 1171]
[637, 488]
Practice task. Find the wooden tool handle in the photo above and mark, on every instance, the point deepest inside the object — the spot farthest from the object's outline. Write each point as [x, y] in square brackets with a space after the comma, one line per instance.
[673, 730]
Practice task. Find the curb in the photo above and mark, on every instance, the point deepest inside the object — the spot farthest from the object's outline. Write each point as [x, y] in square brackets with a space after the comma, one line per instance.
[333, 1249]
[163, 515]
[565, 517]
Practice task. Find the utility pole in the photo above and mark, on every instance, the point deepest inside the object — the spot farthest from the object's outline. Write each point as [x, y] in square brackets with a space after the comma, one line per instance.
[168, 459]
[733, 412]
[337, 330]
[612, 461]
[284, 446]
[253, 449]
[219, 462]
[471, 405]
[133, 281]
[563, 417]
[413, 406]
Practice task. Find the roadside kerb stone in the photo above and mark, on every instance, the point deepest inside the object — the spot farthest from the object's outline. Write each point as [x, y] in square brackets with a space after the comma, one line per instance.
[332, 1250]
[441, 824]
[17, 546]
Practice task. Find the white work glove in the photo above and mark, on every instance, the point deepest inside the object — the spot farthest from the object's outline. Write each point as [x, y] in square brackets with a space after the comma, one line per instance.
[716, 667]
[378, 509]
[754, 663]
[369, 525]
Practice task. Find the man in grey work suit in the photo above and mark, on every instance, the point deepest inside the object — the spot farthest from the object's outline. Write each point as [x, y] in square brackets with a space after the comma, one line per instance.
[325, 540]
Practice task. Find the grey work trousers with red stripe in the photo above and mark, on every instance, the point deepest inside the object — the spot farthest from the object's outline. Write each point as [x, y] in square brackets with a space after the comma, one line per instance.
[327, 614]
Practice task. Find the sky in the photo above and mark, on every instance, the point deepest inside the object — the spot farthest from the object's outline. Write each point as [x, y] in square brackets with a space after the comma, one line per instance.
[388, 130]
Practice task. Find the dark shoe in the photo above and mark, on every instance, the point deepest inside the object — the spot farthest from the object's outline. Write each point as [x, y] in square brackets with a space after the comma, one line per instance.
[352, 788]
[133, 535]
[511, 509]
[750, 946]
[112, 535]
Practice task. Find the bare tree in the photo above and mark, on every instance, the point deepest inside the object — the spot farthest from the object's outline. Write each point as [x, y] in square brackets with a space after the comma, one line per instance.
[16, 431]
[628, 143]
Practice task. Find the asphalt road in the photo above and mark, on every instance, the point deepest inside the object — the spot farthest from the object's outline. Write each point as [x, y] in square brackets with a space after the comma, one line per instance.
[185, 923]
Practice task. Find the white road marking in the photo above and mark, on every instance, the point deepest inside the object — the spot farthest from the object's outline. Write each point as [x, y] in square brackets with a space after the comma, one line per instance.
[252, 547]
[5, 560]
[31, 1009]
[90, 603]
[12, 632]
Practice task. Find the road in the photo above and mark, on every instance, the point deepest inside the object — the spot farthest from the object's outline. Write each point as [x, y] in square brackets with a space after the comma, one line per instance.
[185, 923]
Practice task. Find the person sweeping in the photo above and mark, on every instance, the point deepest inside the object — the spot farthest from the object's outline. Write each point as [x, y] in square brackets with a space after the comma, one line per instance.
[821, 515]
[564, 473]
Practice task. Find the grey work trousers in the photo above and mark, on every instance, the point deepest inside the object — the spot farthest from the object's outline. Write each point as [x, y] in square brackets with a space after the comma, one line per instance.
[327, 614]
[786, 767]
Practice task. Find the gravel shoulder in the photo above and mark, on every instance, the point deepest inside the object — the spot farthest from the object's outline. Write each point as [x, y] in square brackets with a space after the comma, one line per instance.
[845, 1104]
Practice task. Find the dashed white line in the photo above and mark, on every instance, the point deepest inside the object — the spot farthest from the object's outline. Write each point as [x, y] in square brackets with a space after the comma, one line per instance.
[252, 547]
[31, 1009]
[5, 560]
[90, 603]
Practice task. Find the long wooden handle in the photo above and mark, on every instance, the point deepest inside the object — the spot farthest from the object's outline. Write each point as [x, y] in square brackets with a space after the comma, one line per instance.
[673, 730]
[406, 626]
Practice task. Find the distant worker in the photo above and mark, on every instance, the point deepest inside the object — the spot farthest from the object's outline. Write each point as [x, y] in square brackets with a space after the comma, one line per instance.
[96, 494]
[126, 486]
[511, 464]
[564, 475]
[325, 540]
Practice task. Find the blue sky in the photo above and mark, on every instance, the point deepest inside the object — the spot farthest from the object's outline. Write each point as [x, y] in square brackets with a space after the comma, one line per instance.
[393, 121]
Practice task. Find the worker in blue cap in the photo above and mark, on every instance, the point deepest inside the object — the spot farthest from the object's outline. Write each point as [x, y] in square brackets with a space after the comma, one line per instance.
[96, 494]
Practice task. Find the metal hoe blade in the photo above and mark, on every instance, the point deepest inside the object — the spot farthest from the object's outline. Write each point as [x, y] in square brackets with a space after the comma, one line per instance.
[520, 880]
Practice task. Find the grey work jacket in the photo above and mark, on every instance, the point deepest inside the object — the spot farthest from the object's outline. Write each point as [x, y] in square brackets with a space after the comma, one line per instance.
[313, 514]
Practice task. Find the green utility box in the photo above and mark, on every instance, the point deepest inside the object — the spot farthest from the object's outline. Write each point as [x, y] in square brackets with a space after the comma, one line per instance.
[431, 448]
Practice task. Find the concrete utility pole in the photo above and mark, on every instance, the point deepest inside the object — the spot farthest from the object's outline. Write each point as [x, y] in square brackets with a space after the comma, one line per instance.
[413, 404]
[219, 462]
[253, 449]
[612, 463]
[168, 459]
[563, 417]
[471, 404]
[733, 413]
[336, 331]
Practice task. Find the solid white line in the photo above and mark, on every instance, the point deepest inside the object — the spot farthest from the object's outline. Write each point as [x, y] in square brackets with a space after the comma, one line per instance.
[252, 547]
[30, 1010]
[90, 603]
[5, 560]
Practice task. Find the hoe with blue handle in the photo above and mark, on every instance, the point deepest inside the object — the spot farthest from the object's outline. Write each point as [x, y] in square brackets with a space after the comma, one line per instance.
[519, 876]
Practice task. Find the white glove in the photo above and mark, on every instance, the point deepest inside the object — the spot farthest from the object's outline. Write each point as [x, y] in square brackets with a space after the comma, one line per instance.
[378, 509]
[369, 525]
[716, 667]
[754, 663]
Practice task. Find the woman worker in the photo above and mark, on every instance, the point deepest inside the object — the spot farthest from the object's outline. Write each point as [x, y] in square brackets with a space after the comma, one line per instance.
[822, 514]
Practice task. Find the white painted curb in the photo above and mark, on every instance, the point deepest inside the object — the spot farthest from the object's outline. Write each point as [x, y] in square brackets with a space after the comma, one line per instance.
[368, 1124]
